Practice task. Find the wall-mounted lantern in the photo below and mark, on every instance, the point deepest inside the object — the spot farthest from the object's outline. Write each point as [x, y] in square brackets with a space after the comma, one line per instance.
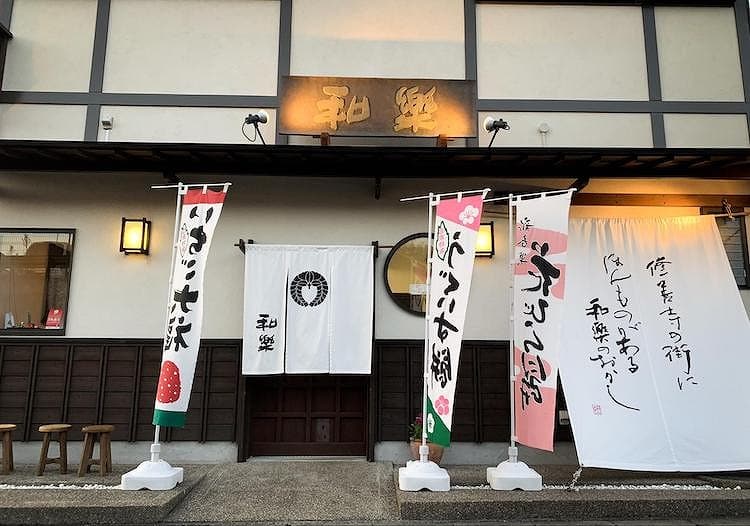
[485, 246]
[135, 236]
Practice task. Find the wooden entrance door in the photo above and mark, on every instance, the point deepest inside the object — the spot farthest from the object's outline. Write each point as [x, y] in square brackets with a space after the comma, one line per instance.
[307, 415]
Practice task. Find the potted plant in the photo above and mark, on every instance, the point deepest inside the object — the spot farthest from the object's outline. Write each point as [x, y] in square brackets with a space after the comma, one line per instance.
[415, 436]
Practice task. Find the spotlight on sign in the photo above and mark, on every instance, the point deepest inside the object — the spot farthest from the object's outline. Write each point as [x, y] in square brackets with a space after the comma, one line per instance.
[493, 124]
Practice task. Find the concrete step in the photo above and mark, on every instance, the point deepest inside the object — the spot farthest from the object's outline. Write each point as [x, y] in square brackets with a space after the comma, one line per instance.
[601, 495]
[28, 499]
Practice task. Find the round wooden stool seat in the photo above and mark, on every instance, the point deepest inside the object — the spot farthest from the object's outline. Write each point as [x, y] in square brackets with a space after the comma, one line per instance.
[6, 439]
[100, 428]
[48, 430]
[91, 434]
[54, 428]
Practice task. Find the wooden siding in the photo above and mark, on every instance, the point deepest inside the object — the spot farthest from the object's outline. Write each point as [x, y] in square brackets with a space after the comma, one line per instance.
[482, 408]
[83, 382]
[114, 381]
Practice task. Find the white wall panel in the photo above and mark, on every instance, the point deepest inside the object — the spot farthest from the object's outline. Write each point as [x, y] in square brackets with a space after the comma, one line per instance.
[698, 54]
[173, 124]
[42, 121]
[706, 131]
[571, 129]
[560, 52]
[119, 296]
[193, 46]
[52, 45]
[387, 38]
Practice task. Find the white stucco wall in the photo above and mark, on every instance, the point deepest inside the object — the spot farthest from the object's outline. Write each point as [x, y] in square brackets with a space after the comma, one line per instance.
[560, 52]
[42, 121]
[706, 131]
[173, 124]
[387, 38]
[193, 46]
[51, 45]
[119, 296]
[698, 53]
[619, 130]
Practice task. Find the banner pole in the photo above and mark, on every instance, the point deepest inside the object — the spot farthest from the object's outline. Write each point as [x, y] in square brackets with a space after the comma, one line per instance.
[512, 449]
[181, 190]
[513, 474]
[424, 449]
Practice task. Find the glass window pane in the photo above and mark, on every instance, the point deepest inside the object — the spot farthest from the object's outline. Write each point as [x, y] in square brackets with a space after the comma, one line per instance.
[34, 279]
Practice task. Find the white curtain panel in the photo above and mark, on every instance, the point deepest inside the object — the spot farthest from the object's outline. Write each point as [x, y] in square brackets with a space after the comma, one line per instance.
[308, 307]
[654, 355]
[265, 310]
[320, 303]
[352, 289]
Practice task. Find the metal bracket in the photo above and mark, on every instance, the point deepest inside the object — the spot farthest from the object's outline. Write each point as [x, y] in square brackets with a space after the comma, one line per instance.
[242, 244]
[170, 176]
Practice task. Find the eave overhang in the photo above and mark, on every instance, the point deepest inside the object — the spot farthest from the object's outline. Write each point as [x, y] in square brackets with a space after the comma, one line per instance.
[374, 161]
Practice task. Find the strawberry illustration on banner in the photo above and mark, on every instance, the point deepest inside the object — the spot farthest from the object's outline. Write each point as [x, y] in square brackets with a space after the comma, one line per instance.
[169, 387]
[456, 225]
[201, 208]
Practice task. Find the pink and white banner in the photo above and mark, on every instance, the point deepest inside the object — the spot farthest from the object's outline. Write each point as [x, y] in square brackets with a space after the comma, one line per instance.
[201, 209]
[456, 225]
[541, 245]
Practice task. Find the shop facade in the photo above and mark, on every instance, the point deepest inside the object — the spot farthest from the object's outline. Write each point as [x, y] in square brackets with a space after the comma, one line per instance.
[645, 108]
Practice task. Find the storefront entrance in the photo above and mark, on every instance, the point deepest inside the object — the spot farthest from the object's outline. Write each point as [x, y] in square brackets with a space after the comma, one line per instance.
[307, 415]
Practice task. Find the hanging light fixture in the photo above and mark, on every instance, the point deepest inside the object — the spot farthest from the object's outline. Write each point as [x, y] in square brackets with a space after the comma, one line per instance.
[135, 236]
[485, 246]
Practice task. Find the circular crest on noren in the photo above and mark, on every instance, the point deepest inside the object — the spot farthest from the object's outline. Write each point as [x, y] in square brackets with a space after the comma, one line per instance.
[308, 279]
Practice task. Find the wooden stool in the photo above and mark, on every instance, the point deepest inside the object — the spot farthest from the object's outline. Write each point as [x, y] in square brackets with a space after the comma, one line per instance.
[62, 440]
[6, 430]
[91, 434]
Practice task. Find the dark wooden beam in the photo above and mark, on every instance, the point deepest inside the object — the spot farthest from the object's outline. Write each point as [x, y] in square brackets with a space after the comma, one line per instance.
[687, 200]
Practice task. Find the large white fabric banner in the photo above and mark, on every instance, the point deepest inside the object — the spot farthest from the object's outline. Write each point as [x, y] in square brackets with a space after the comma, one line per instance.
[312, 305]
[201, 209]
[456, 225]
[265, 310]
[541, 244]
[654, 353]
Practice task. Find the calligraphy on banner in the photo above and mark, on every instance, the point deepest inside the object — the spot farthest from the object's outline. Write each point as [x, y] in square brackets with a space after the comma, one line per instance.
[541, 244]
[377, 107]
[456, 225]
[653, 319]
[201, 209]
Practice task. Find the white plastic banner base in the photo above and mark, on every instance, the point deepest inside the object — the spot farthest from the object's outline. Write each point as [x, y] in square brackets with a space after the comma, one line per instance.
[152, 474]
[419, 475]
[511, 475]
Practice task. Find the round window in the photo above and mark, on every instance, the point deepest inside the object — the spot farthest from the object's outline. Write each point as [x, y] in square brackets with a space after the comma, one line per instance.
[406, 273]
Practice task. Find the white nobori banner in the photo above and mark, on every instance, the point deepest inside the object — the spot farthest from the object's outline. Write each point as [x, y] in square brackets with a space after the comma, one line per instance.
[201, 208]
[539, 267]
[308, 309]
[654, 361]
[457, 221]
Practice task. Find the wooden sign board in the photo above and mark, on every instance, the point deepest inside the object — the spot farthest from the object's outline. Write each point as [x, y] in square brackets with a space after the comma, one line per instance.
[360, 107]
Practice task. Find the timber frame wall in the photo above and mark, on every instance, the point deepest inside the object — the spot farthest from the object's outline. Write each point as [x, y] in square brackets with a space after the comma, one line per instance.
[95, 98]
